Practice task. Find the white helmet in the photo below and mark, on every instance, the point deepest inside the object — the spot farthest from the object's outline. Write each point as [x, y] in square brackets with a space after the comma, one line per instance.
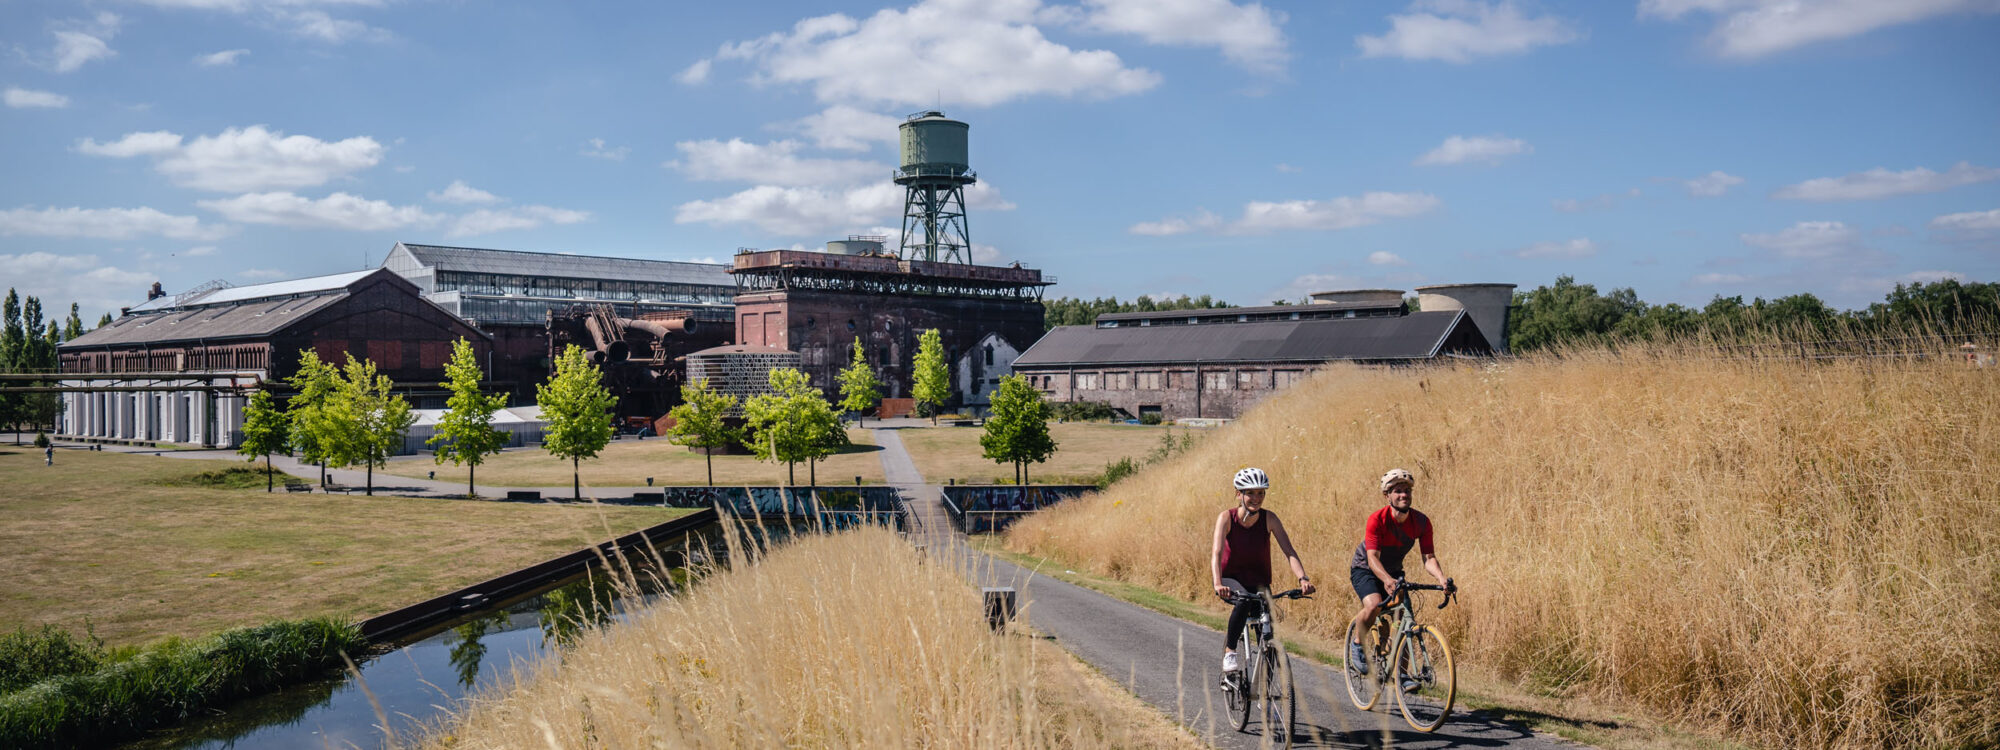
[1397, 476]
[1252, 479]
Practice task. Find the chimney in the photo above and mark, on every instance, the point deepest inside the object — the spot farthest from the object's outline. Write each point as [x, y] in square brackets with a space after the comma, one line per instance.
[155, 293]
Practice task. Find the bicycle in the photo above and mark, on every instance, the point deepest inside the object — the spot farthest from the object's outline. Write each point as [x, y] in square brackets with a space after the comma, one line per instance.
[1426, 680]
[1266, 676]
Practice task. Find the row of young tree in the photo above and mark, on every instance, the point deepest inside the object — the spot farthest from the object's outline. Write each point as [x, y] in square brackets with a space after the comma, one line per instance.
[28, 346]
[1571, 313]
[1072, 311]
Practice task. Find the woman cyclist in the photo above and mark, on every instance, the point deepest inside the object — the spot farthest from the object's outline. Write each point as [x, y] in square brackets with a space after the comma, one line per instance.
[1240, 561]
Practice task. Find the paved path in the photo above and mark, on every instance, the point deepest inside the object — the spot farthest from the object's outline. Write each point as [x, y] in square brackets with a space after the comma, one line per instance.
[1173, 664]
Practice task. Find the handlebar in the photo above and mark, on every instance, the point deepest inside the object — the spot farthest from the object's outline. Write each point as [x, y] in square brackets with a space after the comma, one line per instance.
[1450, 589]
[1292, 594]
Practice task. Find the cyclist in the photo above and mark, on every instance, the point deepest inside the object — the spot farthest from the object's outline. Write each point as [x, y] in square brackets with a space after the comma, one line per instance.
[1378, 560]
[1240, 562]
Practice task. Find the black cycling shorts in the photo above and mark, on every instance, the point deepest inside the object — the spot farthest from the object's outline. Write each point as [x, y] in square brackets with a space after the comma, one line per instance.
[1365, 583]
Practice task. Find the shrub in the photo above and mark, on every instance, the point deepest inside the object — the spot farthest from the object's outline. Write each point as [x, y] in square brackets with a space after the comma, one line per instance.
[1151, 417]
[41, 440]
[234, 478]
[1117, 470]
[29, 656]
[1082, 411]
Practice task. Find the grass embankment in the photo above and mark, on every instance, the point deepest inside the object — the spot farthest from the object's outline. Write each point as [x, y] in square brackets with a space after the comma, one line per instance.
[849, 640]
[56, 690]
[141, 550]
[1082, 451]
[1792, 555]
[627, 463]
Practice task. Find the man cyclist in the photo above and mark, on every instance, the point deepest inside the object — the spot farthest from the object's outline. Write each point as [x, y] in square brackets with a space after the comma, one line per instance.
[1378, 560]
[1240, 560]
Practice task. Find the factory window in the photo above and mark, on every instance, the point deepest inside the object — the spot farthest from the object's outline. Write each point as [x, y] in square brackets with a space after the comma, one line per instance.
[1118, 381]
[989, 356]
[1286, 378]
[1215, 381]
[1249, 379]
[1149, 381]
[1086, 381]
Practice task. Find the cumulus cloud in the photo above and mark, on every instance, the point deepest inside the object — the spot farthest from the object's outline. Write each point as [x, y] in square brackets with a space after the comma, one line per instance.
[219, 59]
[1248, 35]
[95, 286]
[1712, 184]
[597, 149]
[797, 211]
[79, 41]
[298, 17]
[1747, 29]
[1386, 258]
[1970, 221]
[20, 98]
[1344, 212]
[1809, 240]
[1173, 225]
[488, 221]
[1489, 149]
[1580, 247]
[105, 223]
[847, 128]
[244, 159]
[336, 211]
[774, 163]
[1459, 31]
[983, 52]
[696, 74]
[1882, 183]
[460, 193]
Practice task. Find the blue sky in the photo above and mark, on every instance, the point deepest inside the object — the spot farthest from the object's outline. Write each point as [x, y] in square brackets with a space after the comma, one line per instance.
[1686, 148]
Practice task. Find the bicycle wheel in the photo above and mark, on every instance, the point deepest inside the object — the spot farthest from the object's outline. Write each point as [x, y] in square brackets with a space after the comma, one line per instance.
[1281, 712]
[1365, 689]
[1234, 699]
[1246, 683]
[1426, 681]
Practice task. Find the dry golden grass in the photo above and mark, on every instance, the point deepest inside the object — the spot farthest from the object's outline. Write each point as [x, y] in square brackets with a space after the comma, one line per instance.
[1082, 450]
[1793, 555]
[100, 536]
[627, 463]
[850, 640]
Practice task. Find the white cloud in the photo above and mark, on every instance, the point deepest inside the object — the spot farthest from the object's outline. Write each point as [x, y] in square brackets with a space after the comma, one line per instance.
[696, 74]
[1970, 221]
[84, 279]
[598, 150]
[982, 52]
[488, 221]
[847, 128]
[218, 59]
[259, 274]
[1339, 213]
[1882, 183]
[1754, 28]
[1712, 184]
[1386, 258]
[798, 211]
[1459, 149]
[105, 223]
[200, 252]
[1248, 35]
[1580, 247]
[244, 159]
[337, 211]
[1176, 225]
[462, 194]
[74, 48]
[20, 98]
[771, 164]
[1809, 240]
[1460, 30]
[1302, 287]
[298, 17]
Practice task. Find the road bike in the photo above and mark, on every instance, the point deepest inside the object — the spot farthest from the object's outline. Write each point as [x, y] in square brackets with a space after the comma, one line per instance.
[1265, 681]
[1413, 658]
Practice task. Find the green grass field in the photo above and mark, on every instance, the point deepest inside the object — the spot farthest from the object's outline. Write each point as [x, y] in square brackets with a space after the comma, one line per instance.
[126, 543]
[1082, 450]
[627, 463]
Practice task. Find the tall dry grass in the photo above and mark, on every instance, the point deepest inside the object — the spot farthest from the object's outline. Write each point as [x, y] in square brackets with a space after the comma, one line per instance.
[1796, 555]
[849, 640]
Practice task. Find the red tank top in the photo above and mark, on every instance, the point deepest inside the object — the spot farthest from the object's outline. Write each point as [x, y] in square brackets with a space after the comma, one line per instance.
[1246, 551]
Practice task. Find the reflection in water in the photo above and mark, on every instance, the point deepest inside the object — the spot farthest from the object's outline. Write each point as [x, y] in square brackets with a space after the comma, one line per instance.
[469, 652]
[568, 611]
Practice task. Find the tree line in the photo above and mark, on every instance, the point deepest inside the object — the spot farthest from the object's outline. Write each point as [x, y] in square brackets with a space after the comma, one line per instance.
[28, 346]
[1070, 311]
[1571, 313]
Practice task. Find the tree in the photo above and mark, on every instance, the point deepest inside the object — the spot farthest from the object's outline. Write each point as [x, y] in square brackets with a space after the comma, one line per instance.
[577, 408]
[1017, 432]
[73, 327]
[369, 419]
[264, 432]
[859, 387]
[933, 377]
[793, 423]
[13, 347]
[701, 422]
[1567, 312]
[308, 413]
[103, 321]
[465, 434]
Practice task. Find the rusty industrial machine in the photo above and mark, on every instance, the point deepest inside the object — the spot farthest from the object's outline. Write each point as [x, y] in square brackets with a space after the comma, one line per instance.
[642, 355]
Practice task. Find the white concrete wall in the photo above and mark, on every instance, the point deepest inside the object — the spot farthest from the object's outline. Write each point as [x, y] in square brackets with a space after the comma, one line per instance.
[174, 416]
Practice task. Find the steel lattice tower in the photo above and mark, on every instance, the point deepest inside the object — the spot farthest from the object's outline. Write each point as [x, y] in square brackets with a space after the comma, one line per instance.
[934, 174]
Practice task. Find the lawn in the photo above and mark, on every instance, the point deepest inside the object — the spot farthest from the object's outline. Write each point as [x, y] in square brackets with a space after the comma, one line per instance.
[627, 463]
[111, 539]
[1082, 450]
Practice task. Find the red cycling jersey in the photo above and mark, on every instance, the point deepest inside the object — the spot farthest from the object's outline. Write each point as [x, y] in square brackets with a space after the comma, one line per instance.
[1393, 540]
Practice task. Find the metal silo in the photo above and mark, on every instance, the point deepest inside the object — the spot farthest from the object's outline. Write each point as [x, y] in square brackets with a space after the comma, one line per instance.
[934, 145]
[935, 171]
[1487, 304]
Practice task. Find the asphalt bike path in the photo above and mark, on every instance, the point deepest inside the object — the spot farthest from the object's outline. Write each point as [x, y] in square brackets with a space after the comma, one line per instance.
[1174, 665]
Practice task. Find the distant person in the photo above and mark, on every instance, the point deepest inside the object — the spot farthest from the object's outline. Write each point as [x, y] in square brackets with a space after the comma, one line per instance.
[48, 455]
[1378, 561]
[1240, 563]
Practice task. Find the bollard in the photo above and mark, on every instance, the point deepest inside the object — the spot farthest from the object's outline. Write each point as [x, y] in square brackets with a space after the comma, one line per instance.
[649, 481]
[999, 606]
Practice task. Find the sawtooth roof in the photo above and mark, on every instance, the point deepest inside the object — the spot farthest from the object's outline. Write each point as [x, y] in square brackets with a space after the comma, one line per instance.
[1418, 335]
[521, 263]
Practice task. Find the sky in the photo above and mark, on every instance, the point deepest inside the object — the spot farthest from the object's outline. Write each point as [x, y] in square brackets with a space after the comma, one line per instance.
[1253, 152]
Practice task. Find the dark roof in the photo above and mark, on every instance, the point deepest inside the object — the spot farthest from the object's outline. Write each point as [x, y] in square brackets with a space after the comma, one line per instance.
[1322, 309]
[1418, 335]
[522, 263]
[247, 319]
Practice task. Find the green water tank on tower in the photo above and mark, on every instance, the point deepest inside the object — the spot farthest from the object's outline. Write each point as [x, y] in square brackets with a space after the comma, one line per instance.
[934, 145]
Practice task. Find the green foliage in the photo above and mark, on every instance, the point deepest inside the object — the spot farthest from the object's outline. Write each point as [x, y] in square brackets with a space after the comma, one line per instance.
[28, 656]
[1566, 313]
[311, 430]
[265, 428]
[232, 478]
[701, 421]
[1151, 418]
[465, 434]
[168, 682]
[933, 377]
[577, 408]
[73, 327]
[103, 321]
[41, 439]
[1083, 411]
[794, 422]
[365, 419]
[1018, 430]
[1078, 312]
[860, 389]
[1117, 470]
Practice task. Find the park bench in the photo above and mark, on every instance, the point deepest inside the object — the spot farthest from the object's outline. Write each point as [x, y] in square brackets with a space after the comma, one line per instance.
[340, 488]
[297, 485]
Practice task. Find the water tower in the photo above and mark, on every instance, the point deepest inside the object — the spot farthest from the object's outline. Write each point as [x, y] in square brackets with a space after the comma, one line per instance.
[935, 172]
